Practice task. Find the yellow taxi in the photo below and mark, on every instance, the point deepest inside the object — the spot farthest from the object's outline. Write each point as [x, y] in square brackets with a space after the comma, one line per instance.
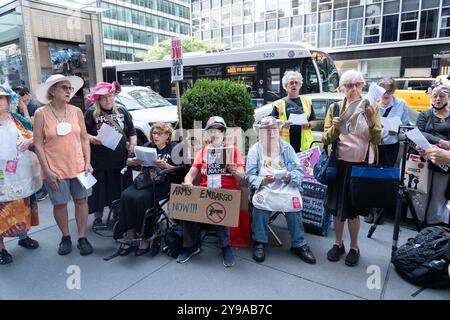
[415, 91]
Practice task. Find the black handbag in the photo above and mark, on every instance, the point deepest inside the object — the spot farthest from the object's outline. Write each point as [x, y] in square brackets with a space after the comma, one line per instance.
[373, 186]
[325, 170]
[145, 178]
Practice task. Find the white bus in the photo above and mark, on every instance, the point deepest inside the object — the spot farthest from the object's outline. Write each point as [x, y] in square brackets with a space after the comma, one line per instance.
[260, 68]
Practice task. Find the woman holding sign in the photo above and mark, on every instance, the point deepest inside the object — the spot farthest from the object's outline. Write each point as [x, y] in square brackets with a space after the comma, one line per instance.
[108, 160]
[62, 145]
[435, 126]
[213, 174]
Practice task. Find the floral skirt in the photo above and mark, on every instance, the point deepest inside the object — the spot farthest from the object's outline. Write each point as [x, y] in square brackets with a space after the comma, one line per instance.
[18, 216]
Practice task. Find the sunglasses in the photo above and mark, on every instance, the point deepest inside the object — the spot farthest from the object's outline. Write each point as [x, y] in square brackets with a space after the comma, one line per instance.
[66, 88]
[353, 85]
[22, 93]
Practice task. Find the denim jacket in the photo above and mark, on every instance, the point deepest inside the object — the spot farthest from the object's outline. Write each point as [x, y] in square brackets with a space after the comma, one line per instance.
[288, 156]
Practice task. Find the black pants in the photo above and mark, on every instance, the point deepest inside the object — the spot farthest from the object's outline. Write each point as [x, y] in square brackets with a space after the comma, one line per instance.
[388, 154]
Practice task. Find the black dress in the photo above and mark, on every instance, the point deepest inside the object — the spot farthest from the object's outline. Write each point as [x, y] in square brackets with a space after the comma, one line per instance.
[134, 203]
[108, 163]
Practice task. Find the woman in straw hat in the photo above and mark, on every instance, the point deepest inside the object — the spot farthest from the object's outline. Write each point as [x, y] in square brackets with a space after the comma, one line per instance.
[18, 207]
[62, 145]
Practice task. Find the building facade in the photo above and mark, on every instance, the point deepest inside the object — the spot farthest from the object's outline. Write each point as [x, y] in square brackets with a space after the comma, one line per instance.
[134, 26]
[379, 37]
[39, 39]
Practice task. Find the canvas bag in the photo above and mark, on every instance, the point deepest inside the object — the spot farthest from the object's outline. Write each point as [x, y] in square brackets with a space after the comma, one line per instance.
[416, 174]
[287, 198]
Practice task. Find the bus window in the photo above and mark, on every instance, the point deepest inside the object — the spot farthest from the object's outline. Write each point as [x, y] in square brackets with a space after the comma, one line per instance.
[130, 78]
[210, 72]
[273, 77]
[327, 70]
[310, 79]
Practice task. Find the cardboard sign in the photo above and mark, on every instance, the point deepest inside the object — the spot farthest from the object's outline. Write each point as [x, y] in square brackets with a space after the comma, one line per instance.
[308, 160]
[314, 214]
[176, 53]
[217, 159]
[205, 205]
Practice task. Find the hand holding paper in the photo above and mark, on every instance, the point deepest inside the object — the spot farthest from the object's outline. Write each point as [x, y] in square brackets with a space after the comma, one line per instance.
[148, 155]
[298, 119]
[417, 137]
[374, 94]
[87, 180]
[109, 136]
[278, 174]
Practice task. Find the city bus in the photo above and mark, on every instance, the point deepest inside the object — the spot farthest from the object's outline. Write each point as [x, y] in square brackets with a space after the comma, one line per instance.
[260, 68]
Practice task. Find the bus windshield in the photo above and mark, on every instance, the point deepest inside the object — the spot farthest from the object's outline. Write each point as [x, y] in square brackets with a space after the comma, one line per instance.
[327, 70]
[148, 98]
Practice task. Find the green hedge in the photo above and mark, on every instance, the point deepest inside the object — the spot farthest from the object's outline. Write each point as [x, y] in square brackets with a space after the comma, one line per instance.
[224, 98]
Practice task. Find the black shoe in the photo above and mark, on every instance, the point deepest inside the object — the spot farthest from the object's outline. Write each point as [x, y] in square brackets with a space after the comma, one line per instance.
[28, 243]
[126, 251]
[155, 246]
[5, 257]
[41, 194]
[369, 218]
[65, 246]
[352, 258]
[84, 246]
[335, 253]
[259, 253]
[304, 252]
[141, 252]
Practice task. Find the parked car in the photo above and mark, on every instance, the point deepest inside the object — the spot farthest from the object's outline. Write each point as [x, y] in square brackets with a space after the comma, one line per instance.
[415, 91]
[320, 104]
[146, 107]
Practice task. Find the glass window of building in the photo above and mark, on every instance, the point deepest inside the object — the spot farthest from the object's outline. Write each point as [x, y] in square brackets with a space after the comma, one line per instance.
[340, 14]
[445, 22]
[296, 34]
[356, 12]
[236, 14]
[296, 21]
[248, 28]
[271, 9]
[248, 12]
[225, 2]
[197, 35]
[259, 10]
[226, 32]
[237, 30]
[340, 4]
[215, 18]
[206, 35]
[356, 2]
[325, 5]
[297, 7]
[310, 6]
[324, 17]
[237, 42]
[429, 4]
[226, 19]
[249, 39]
[259, 37]
[205, 4]
[215, 3]
[310, 19]
[390, 28]
[310, 33]
[271, 36]
[271, 25]
[205, 24]
[283, 23]
[408, 28]
[283, 35]
[410, 5]
[216, 33]
[372, 34]
[391, 7]
[284, 8]
[226, 42]
[355, 31]
[428, 24]
[324, 35]
[339, 33]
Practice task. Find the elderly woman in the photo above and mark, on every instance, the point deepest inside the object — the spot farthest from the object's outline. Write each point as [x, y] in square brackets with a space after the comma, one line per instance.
[271, 153]
[134, 203]
[299, 136]
[352, 149]
[435, 126]
[18, 213]
[215, 130]
[62, 145]
[108, 163]
[390, 107]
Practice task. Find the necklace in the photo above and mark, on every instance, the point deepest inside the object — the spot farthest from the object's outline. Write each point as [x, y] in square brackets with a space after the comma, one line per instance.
[54, 114]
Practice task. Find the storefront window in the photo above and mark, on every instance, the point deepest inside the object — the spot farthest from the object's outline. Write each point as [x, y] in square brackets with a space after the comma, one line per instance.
[11, 66]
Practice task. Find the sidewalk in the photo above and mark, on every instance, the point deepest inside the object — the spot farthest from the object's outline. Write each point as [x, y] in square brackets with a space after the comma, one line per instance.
[41, 274]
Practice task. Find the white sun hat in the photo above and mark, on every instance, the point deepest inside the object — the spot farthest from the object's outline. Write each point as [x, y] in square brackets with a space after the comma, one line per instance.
[41, 91]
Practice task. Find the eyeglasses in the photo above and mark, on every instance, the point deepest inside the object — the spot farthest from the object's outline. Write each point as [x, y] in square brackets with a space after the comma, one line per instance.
[22, 93]
[292, 83]
[66, 88]
[214, 130]
[351, 85]
[157, 133]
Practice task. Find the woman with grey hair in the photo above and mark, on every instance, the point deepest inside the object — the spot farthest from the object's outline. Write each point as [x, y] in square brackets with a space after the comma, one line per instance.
[434, 124]
[299, 137]
[352, 149]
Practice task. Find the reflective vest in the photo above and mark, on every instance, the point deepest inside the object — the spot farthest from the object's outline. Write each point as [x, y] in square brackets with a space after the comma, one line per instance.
[307, 136]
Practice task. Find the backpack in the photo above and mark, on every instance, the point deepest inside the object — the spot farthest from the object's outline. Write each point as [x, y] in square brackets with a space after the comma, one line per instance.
[174, 240]
[422, 260]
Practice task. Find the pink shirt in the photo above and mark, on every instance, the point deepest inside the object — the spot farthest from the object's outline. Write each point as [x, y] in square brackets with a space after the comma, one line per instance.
[64, 153]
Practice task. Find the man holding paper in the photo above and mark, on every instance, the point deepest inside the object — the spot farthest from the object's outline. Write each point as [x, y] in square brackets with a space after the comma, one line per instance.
[296, 112]
[109, 128]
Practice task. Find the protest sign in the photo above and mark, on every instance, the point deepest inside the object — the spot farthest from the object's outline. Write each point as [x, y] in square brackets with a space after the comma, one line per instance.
[176, 53]
[315, 218]
[217, 159]
[308, 160]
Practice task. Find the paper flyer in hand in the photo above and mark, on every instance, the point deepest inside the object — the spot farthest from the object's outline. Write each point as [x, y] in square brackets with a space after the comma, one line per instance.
[147, 155]
[298, 119]
[86, 179]
[417, 137]
[109, 136]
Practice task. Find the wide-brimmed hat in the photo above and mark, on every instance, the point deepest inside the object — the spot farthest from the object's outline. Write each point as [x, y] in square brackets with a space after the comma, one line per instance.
[215, 122]
[3, 92]
[104, 88]
[42, 89]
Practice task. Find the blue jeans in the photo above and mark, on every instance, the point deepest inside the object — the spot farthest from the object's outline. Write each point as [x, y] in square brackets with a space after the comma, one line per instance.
[260, 222]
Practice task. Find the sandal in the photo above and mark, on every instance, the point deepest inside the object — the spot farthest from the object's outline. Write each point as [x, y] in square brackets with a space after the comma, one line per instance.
[29, 243]
[5, 257]
[97, 222]
[126, 251]
[141, 252]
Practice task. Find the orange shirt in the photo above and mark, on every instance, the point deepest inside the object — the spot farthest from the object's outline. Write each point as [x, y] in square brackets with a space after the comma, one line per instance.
[64, 153]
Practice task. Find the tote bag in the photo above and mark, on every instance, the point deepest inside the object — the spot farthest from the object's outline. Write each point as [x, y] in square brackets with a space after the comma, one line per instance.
[416, 174]
[287, 198]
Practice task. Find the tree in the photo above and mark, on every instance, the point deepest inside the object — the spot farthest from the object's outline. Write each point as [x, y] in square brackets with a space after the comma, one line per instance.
[189, 45]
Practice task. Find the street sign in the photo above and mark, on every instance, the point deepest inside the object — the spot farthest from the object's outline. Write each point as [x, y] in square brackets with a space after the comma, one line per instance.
[176, 53]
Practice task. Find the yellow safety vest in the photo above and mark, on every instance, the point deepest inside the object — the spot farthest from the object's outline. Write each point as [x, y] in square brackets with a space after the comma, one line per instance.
[307, 136]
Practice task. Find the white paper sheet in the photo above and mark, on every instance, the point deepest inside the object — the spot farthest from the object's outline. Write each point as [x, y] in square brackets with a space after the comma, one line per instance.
[109, 136]
[86, 179]
[298, 119]
[417, 137]
[278, 174]
[391, 123]
[374, 94]
[148, 155]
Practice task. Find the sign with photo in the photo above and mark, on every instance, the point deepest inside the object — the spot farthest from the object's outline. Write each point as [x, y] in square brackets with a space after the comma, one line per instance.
[217, 159]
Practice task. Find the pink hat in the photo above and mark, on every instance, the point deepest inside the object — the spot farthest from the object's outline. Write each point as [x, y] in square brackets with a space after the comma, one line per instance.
[104, 88]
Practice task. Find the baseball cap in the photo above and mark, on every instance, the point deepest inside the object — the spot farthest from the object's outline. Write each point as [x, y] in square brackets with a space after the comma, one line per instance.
[215, 122]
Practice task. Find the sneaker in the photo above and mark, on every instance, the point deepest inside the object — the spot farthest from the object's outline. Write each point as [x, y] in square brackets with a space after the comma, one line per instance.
[352, 258]
[5, 257]
[259, 253]
[228, 257]
[304, 253]
[65, 246]
[335, 253]
[187, 253]
[84, 246]
[41, 195]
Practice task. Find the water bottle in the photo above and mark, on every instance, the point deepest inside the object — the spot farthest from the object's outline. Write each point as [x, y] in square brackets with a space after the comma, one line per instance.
[438, 264]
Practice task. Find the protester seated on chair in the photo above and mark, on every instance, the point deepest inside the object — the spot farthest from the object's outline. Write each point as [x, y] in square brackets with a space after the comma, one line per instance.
[215, 130]
[271, 153]
[135, 202]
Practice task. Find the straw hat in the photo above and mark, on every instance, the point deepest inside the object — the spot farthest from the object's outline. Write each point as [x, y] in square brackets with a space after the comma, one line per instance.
[42, 90]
